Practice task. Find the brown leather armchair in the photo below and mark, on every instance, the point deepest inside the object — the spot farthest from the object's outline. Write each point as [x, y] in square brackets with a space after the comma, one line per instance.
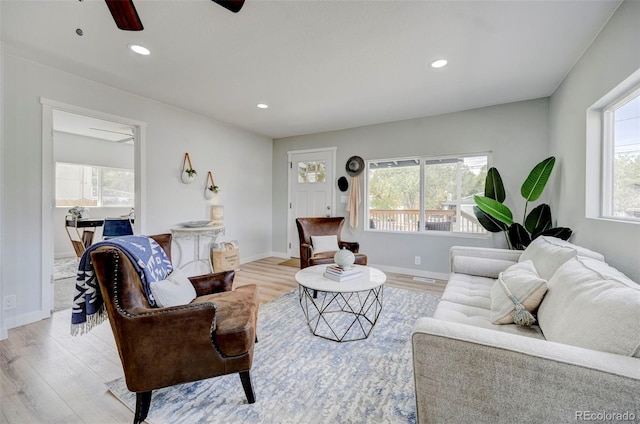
[308, 227]
[159, 347]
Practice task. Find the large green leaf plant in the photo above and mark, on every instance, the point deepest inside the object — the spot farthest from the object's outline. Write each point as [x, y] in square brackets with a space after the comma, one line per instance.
[495, 216]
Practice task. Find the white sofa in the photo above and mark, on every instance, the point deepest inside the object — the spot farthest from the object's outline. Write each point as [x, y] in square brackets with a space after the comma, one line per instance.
[581, 362]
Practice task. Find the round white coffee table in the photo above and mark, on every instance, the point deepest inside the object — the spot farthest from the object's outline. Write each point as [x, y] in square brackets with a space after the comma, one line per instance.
[341, 310]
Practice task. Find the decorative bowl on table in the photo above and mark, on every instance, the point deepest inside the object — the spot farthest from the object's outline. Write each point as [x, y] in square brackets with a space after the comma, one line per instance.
[195, 224]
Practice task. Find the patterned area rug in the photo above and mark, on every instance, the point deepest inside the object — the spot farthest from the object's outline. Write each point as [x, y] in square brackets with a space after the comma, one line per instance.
[65, 268]
[301, 378]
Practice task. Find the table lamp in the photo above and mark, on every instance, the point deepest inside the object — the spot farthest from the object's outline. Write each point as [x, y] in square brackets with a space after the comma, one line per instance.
[217, 214]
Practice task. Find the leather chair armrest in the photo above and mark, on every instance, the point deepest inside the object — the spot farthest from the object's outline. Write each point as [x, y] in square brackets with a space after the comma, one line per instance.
[354, 246]
[306, 253]
[213, 283]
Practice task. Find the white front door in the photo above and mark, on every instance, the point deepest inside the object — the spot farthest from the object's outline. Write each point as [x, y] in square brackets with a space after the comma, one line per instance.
[311, 182]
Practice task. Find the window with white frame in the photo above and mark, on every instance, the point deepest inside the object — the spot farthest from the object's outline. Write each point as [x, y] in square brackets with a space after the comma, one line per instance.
[423, 194]
[87, 185]
[620, 196]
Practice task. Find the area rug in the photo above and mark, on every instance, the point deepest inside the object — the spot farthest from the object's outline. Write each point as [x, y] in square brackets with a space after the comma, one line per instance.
[65, 268]
[301, 378]
[294, 262]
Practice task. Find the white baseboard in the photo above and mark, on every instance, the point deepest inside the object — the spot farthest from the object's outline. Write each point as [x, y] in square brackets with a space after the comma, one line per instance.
[384, 268]
[24, 319]
[410, 271]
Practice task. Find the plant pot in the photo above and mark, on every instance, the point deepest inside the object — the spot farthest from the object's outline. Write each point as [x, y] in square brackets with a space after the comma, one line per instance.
[208, 194]
[188, 178]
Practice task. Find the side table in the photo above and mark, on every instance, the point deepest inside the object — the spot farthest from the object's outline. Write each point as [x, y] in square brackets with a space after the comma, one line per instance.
[207, 233]
[342, 311]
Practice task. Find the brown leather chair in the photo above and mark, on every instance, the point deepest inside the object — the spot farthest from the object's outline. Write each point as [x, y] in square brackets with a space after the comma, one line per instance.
[159, 347]
[308, 227]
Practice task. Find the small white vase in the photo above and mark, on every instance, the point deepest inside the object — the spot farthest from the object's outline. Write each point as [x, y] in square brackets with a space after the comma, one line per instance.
[208, 194]
[344, 258]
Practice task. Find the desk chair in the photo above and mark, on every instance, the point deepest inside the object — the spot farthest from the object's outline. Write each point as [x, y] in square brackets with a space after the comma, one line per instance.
[116, 227]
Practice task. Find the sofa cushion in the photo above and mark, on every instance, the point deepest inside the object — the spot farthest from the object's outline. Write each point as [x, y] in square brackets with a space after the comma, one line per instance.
[324, 243]
[523, 282]
[592, 305]
[483, 267]
[549, 253]
[479, 317]
[470, 290]
[174, 290]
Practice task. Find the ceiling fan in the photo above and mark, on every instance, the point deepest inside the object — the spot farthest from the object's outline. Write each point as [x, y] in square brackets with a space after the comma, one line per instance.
[128, 137]
[126, 16]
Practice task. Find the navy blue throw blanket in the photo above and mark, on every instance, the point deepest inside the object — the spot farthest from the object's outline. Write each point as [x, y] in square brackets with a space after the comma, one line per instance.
[147, 257]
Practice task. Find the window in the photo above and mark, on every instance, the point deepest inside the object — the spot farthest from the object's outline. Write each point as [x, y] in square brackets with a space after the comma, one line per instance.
[312, 172]
[621, 158]
[86, 185]
[425, 194]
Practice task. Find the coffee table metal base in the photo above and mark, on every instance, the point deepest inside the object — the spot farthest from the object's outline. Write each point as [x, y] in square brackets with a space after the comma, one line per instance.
[342, 316]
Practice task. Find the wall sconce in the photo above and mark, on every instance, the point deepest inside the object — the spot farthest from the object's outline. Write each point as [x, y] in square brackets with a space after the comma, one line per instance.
[217, 214]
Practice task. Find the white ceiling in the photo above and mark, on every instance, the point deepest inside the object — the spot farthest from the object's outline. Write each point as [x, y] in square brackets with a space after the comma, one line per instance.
[321, 65]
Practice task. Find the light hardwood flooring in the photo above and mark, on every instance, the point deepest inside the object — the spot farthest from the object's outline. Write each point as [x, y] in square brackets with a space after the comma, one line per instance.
[48, 376]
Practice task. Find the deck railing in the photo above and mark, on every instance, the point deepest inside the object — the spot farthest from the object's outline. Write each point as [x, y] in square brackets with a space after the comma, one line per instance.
[408, 220]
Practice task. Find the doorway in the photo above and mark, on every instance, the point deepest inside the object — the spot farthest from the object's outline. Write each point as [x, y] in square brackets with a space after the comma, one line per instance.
[311, 189]
[81, 130]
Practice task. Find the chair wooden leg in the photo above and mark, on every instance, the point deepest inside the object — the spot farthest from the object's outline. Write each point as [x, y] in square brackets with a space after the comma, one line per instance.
[143, 402]
[245, 377]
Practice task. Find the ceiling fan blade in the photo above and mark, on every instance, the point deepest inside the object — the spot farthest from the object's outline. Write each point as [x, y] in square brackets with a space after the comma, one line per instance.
[232, 5]
[125, 15]
[114, 132]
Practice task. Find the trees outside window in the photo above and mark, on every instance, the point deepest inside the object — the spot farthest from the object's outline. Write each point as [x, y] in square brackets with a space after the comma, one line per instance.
[621, 188]
[86, 185]
[396, 201]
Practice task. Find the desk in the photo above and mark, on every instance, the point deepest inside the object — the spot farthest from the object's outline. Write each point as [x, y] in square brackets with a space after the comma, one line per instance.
[84, 230]
[210, 232]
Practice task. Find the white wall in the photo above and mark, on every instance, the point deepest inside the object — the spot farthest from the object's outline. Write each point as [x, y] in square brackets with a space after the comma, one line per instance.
[516, 133]
[239, 159]
[612, 57]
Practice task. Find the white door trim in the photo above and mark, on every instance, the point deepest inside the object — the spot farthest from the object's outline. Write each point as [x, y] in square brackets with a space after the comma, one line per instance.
[290, 154]
[48, 197]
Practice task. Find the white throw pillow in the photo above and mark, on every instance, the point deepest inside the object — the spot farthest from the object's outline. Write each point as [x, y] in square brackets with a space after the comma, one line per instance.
[324, 243]
[549, 253]
[592, 305]
[175, 290]
[523, 282]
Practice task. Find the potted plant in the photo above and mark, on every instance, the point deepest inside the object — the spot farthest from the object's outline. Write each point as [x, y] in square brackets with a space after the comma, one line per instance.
[495, 216]
[211, 188]
[188, 174]
[78, 212]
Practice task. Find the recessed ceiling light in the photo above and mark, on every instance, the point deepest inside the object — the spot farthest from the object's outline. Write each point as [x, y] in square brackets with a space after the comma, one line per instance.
[438, 63]
[139, 49]
[262, 106]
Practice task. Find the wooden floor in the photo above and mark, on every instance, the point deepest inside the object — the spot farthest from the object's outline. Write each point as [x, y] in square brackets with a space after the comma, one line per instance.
[47, 376]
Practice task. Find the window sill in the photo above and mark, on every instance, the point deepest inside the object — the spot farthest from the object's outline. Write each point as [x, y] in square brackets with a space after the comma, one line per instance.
[433, 233]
